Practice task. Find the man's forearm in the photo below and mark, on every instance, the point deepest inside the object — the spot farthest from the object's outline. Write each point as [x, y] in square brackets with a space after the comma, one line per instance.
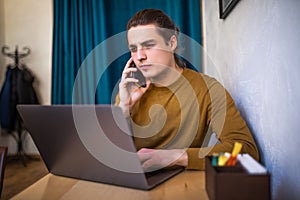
[126, 109]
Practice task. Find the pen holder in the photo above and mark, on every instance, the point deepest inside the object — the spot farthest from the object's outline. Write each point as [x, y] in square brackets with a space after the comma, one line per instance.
[234, 182]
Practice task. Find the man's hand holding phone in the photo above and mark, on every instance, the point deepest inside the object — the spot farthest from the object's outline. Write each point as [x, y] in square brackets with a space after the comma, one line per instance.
[131, 87]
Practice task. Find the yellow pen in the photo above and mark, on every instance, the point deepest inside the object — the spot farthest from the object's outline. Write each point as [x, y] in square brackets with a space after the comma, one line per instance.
[222, 160]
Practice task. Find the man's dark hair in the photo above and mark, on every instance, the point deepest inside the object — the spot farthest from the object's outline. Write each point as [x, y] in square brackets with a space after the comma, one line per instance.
[167, 27]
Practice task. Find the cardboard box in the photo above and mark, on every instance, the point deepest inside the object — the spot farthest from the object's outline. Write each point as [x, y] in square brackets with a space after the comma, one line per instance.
[235, 183]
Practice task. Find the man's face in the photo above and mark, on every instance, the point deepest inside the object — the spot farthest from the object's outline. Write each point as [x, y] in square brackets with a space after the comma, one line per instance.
[149, 50]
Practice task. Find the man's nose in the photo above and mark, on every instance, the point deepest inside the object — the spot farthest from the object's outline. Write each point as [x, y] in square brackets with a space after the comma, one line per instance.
[141, 54]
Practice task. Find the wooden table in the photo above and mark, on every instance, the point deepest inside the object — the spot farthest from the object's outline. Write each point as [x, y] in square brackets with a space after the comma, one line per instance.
[186, 185]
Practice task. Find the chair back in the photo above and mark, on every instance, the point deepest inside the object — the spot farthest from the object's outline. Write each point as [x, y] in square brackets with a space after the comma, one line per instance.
[3, 154]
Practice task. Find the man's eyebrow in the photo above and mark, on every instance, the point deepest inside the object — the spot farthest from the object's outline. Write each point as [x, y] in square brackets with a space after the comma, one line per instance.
[143, 43]
[147, 41]
[131, 46]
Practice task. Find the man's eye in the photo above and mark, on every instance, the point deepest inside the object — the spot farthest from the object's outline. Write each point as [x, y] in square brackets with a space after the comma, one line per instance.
[133, 49]
[149, 45]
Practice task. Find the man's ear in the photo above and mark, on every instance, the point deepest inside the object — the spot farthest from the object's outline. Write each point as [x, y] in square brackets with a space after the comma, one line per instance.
[173, 42]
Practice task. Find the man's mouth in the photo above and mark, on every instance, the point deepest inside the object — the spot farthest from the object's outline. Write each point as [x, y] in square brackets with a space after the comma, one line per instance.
[145, 66]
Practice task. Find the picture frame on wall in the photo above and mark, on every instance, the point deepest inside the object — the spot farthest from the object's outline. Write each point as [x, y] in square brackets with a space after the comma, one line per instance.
[226, 6]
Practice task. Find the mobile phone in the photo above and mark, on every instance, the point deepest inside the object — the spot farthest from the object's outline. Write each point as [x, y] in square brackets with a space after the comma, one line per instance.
[138, 75]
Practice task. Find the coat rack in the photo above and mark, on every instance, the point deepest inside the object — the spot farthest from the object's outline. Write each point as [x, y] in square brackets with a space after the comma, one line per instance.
[17, 56]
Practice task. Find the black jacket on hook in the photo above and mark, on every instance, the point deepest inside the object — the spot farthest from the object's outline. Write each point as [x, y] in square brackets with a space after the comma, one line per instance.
[17, 89]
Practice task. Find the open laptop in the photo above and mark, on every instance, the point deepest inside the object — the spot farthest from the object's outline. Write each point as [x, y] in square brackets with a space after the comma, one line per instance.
[89, 142]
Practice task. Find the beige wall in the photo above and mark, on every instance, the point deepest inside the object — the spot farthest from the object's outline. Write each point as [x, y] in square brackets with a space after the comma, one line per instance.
[28, 23]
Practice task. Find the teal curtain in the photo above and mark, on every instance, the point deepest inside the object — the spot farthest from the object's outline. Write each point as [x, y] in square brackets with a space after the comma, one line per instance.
[90, 50]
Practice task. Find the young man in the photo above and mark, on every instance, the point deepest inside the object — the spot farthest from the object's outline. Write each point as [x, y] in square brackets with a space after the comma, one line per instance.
[174, 116]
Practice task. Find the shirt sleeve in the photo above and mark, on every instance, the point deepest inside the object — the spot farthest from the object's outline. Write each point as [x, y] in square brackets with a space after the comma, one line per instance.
[117, 100]
[226, 121]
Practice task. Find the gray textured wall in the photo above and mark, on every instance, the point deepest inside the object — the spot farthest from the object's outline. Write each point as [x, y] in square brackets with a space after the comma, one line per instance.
[255, 53]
